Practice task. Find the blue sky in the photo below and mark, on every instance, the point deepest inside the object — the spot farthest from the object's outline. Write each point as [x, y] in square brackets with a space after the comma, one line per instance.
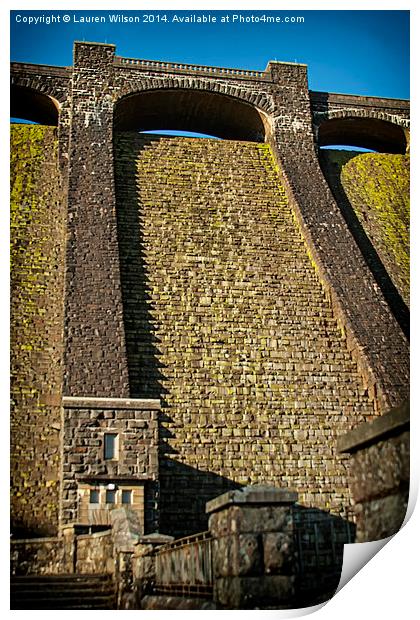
[360, 52]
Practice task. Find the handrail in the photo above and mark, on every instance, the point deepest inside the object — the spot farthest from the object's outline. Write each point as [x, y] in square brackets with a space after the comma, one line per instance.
[182, 542]
[186, 563]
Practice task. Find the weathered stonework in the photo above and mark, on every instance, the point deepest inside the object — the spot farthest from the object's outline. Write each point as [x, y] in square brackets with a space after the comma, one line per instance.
[241, 337]
[37, 315]
[375, 123]
[39, 556]
[372, 191]
[379, 473]
[95, 358]
[385, 207]
[95, 553]
[133, 469]
[288, 114]
[227, 284]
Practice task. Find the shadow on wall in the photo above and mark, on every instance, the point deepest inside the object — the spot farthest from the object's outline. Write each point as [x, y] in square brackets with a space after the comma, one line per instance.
[319, 538]
[185, 490]
[332, 173]
[193, 110]
[144, 368]
[370, 133]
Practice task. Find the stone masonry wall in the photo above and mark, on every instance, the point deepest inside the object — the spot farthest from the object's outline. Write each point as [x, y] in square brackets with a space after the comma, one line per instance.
[86, 553]
[116, 338]
[42, 556]
[379, 188]
[136, 462]
[95, 553]
[371, 329]
[254, 372]
[100, 83]
[322, 102]
[381, 502]
[37, 315]
[379, 473]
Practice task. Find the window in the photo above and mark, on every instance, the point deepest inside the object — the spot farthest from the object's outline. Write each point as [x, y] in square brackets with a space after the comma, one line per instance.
[126, 497]
[94, 496]
[110, 446]
[110, 496]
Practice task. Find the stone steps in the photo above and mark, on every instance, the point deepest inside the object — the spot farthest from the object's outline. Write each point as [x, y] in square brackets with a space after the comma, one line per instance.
[74, 591]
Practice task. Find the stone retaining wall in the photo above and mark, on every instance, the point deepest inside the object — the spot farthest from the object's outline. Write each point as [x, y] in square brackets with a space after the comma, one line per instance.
[95, 553]
[38, 556]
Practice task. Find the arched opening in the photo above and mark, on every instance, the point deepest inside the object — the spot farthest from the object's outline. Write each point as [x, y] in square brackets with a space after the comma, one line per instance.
[27, 104]
[346, 147]
[366, 165]
[364, 133]
[195, 111]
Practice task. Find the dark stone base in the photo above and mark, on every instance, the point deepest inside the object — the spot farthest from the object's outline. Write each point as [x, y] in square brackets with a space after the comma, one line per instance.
[176, 602]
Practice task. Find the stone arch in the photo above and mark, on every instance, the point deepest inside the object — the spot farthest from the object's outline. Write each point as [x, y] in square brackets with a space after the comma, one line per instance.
[378, 131]
[33, 105]
[192, 104]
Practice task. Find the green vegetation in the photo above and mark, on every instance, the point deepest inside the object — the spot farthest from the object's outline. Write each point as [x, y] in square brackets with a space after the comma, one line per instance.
[37, 261]
[377, 186]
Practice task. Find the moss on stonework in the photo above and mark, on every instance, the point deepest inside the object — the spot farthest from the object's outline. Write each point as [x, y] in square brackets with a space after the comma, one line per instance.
[243, 343]
[37, 271]
[26, 156]
[377, 186]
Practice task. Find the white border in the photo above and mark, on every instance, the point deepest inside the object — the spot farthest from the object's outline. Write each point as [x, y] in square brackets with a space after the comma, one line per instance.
[386, 588]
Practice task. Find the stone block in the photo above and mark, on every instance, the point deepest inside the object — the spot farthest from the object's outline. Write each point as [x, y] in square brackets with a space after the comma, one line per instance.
[279, 553]
[249, 517]
[254, 592]
[381, 468]
[382, 517]
[237, 555]
[264, 519]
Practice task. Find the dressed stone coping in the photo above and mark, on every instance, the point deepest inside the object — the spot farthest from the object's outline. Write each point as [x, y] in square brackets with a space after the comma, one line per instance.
[94, 535]
[254, 494]
[93, 402]
[34, 541]
[156, 538]
[392, 423]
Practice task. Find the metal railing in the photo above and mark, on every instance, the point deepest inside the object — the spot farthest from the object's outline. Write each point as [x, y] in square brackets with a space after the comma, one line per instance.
[184, 567]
